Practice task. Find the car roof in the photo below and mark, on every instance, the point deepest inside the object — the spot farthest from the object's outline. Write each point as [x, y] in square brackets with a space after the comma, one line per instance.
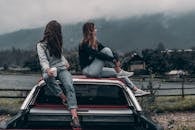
[83, 79]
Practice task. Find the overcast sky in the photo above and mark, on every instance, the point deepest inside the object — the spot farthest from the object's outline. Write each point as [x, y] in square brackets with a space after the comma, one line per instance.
[22, 14]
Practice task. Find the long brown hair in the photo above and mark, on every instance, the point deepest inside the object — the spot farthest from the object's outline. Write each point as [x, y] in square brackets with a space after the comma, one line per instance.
[53, 37]
[88, 34]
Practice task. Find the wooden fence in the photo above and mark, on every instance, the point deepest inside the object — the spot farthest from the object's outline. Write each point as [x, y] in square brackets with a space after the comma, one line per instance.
[13, 93]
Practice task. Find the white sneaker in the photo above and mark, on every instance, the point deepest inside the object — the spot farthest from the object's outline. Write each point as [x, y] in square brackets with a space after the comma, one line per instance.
[140, 92]
[123, 73]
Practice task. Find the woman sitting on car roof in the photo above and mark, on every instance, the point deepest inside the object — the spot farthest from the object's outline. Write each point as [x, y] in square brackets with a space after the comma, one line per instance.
[93, 55]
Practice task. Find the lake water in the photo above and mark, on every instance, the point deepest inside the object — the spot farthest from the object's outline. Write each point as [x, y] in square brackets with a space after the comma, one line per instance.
[28, 81]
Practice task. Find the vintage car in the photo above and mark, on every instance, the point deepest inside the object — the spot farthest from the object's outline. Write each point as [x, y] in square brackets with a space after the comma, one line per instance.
[103, 104]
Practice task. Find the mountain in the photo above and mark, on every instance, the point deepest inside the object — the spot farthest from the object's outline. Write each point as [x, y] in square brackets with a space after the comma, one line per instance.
[124, 35]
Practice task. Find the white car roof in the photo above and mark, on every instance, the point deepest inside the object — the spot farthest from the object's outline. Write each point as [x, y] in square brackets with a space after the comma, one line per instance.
[82, 78]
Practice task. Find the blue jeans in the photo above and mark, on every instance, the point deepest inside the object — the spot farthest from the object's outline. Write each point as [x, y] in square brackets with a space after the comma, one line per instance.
[65, 78]
[97, 69]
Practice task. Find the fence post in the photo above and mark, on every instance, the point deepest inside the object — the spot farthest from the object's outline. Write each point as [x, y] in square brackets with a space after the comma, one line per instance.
[182, 86]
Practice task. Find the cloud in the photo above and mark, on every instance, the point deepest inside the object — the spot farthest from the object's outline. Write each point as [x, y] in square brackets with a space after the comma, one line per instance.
[20, 14]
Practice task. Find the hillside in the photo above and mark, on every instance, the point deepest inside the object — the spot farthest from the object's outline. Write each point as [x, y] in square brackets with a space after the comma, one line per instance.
[124, 35]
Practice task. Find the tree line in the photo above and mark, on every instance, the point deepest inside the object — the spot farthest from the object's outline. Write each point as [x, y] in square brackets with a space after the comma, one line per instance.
[157, 60]
[163, 61]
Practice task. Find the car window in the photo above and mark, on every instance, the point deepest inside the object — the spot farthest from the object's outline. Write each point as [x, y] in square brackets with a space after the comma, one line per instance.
[88, 94]
[92, 94]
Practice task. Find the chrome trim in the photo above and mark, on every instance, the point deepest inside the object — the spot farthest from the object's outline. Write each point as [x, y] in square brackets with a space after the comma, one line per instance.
[98, 80]
[133, 99]
[38, 111]
[28, 98]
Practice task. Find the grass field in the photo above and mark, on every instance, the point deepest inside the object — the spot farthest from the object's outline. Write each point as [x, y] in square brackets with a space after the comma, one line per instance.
[10, 106]
[168, 104]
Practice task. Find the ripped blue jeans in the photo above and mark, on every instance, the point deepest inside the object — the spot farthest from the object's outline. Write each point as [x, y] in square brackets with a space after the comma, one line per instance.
[65, 78]
[97, 69]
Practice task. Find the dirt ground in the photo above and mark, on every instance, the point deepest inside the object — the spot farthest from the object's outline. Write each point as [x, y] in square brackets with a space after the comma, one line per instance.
[4, 117]
[176, 120]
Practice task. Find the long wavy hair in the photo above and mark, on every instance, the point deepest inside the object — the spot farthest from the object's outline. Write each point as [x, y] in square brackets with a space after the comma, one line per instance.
[88, 34]
[53, 37]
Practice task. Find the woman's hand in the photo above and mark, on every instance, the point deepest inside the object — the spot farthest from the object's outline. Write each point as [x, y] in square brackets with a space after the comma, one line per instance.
[50, 72]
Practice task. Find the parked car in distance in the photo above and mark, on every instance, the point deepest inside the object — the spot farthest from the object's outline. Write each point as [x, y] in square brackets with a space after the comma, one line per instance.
[103, 104]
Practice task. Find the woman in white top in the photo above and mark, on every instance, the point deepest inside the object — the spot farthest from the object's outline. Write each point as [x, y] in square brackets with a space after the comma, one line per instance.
[54, 65]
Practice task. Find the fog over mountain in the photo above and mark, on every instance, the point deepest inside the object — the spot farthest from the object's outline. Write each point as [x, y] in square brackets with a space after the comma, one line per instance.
[131, 33]
[24, 14]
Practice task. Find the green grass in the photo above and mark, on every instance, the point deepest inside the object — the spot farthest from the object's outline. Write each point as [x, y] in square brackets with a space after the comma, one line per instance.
[10, 106]
[168, 104]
